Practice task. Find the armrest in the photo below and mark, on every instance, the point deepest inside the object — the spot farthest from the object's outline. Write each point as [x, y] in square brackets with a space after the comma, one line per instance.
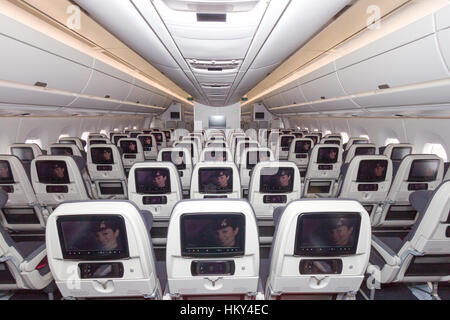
[33, 259]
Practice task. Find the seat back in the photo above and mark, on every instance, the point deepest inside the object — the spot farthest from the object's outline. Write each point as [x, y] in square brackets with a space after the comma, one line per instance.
[117, 136]
[425, 252]
[98, 141]
[72, 140]
[396, 152]
[181, 158]
[57, 179]
[192, 147]
[92, 246]
[132, 152]
[323, 169]
[212, 249]
[273, 184]
[283, 146]
[355, 140]
[250, 157]
[313, 136]
[106, 170]
[215, 180]
[22, 211]
[367, 180]
[241, 146]
[160, 138]
[156, 187]
[321, 249]
[299, 153]
[416, 172]
[149, 145]
[215, 154]
[359, 149]
[59, 149]
[216, 144]
[335, 141]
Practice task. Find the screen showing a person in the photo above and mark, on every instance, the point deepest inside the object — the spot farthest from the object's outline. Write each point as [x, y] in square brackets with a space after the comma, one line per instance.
[158, 137]
[129, 146]
[61, 151]
[302, 146]
[327, 155]
[215, 180]
[372, 171]
[327, 234]
[6, 175]
[400, 152]
[52, 172]
[167, 134]
[146, 142]
[215, 156]
[176, 157]
[152, 181]
[92, 237]
[212, 234]
[365, 151]
[102, 156]
[254, 157]
[424, 170]
[276, 180]
[23, 153]
[286, 141]
[117, 138]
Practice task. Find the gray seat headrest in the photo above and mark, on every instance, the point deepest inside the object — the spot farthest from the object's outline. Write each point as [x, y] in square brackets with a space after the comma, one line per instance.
[3, 198]
[147, 216]
[81, 164]
[277, 213]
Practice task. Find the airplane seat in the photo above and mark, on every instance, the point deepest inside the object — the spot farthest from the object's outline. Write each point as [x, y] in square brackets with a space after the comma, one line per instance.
[283, 146]
[215, 154]
[213, 251]
[323, 170]
[309, 259]
[98, 141]
[59, 149]
[367, 180]
[416, 172]
[133, 152]
[217, 144]
[181, 158]
[446, 171]
[102, 249]
[117, 136]
[73, 140]
[299, 153]
[57, 179]
[160, 138]
[23, 265]
[234, 142]
[156, 187]
[422, 255]
[215, 180]
[249, 158]
[397, 151]
[192, 147]
[273, 184]
[241, 146]
[359, 149]
[149, 145]
[107, 172]
[90, 186]
[26, 152]
[332, 141]
[355, 140]
[22, 212]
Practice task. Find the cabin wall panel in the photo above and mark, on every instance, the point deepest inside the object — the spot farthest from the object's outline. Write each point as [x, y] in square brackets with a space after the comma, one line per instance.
[417, 131]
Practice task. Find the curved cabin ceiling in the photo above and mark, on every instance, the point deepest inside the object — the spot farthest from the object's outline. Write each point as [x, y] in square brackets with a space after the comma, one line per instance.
[215, 50]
